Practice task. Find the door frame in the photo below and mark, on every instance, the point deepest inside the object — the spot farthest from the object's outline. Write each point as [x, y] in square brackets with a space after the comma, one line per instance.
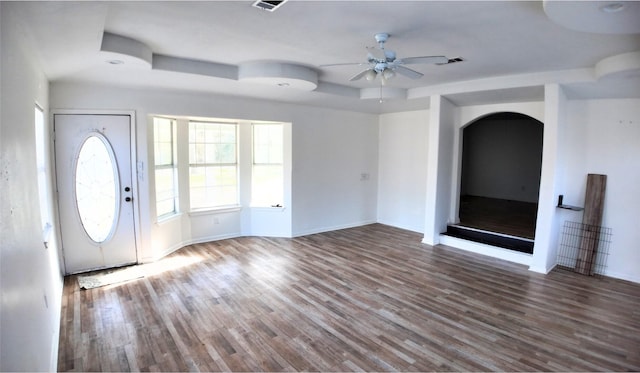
[135, 174]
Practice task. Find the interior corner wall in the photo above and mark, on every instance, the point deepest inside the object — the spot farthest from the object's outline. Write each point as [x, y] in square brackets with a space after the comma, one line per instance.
[30, 275]
[439, 168]
[402, 169]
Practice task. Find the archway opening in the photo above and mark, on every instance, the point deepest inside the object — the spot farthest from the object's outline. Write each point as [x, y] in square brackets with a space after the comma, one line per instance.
[500, 180]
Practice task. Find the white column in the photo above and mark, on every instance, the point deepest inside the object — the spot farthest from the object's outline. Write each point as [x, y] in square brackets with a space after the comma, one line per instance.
[548, 223]
[439, 168]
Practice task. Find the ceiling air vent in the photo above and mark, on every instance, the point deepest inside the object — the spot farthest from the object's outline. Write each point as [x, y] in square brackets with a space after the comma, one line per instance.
[269, 5]
[452, 60]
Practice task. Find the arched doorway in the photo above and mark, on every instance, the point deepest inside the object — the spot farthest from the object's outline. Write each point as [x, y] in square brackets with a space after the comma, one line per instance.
[500, 178]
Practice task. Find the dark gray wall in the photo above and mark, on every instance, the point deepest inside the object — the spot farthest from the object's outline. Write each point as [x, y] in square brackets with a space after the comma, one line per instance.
[502, 157]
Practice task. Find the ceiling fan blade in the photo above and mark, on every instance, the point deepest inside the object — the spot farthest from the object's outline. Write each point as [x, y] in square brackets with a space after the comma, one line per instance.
[408, 72]
[359, 75]
[425, 59]
[344, 64]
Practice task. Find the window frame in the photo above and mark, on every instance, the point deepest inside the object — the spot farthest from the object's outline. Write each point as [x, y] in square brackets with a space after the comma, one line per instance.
[42, 169]
[258, 201]
[205, 165]
[173, 165]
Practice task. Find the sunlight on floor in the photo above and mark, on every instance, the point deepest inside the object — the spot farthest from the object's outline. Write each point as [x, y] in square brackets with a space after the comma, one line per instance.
[169, 264]
[114, 278]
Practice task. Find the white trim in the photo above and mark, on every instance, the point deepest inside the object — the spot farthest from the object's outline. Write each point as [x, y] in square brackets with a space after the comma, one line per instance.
[168, 217]
[216, 210]
[186, 243]
[488, 250]
[491, 233]
[539, 269]
[622, 276]
[332, 228]
[55, 344]
[133, 147]
[267, 208]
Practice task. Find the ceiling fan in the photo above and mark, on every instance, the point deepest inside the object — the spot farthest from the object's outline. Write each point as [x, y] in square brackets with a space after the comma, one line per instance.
[383, 62]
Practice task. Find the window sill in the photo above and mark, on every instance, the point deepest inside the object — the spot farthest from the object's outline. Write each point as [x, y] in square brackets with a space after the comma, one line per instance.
[268, 208]
[217, 210]
[168, 218]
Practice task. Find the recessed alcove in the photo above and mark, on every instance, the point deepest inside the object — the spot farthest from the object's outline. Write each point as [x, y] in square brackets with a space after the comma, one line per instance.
[500, 179]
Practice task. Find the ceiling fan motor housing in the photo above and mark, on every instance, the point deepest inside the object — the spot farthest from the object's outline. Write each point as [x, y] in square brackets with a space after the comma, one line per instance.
[381, 37]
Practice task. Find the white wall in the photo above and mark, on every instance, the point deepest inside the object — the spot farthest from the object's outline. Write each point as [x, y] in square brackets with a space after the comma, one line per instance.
[603, 137]
[335, 170]
[30, 277]
[590, 136]
[402, 169]
[331, 150]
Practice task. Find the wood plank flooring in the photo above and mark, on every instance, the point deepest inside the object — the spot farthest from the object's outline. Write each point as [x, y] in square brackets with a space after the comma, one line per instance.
[514, 218]
[371, 298]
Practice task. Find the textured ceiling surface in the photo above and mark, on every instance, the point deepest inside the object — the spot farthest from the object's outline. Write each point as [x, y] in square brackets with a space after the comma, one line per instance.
[495, 39]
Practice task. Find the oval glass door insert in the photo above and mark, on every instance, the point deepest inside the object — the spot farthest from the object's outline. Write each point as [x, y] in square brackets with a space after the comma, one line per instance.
[97, 188]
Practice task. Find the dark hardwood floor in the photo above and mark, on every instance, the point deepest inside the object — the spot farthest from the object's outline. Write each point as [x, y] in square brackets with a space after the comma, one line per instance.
[514, 218]
[371, 298]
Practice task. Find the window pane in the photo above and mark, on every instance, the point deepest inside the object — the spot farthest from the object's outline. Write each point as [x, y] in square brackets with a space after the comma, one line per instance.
[213, 176]
[198, 198]
[192, 153]
[227, 153]
[275, 154]
[164, 184]
[164, 154]
[260, 153]
[228, 176]
[199, 154]
[267, 143]
[166, 166]
[96, 188]
[165, 207]
[196, 177]
[228, 133]
[267, 187]
[210, 154]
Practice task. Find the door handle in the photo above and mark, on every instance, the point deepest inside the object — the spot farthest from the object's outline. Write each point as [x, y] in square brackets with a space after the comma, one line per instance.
[128, 199]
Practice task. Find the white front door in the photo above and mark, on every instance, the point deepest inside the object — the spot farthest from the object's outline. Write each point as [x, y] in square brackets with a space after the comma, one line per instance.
[95, 194]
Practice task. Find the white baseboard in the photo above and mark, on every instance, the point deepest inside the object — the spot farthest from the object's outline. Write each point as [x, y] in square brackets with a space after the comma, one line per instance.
[55, 345]
[622, 276]
[488, 250]
[402, 226]
[332, 228]
[182, 244]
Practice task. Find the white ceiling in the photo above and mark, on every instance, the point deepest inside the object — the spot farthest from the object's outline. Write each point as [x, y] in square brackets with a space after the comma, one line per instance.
[495, 38]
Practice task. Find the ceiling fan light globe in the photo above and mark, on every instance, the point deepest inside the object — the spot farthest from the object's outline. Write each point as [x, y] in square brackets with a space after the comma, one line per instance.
[370, 75]
[388, 74]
